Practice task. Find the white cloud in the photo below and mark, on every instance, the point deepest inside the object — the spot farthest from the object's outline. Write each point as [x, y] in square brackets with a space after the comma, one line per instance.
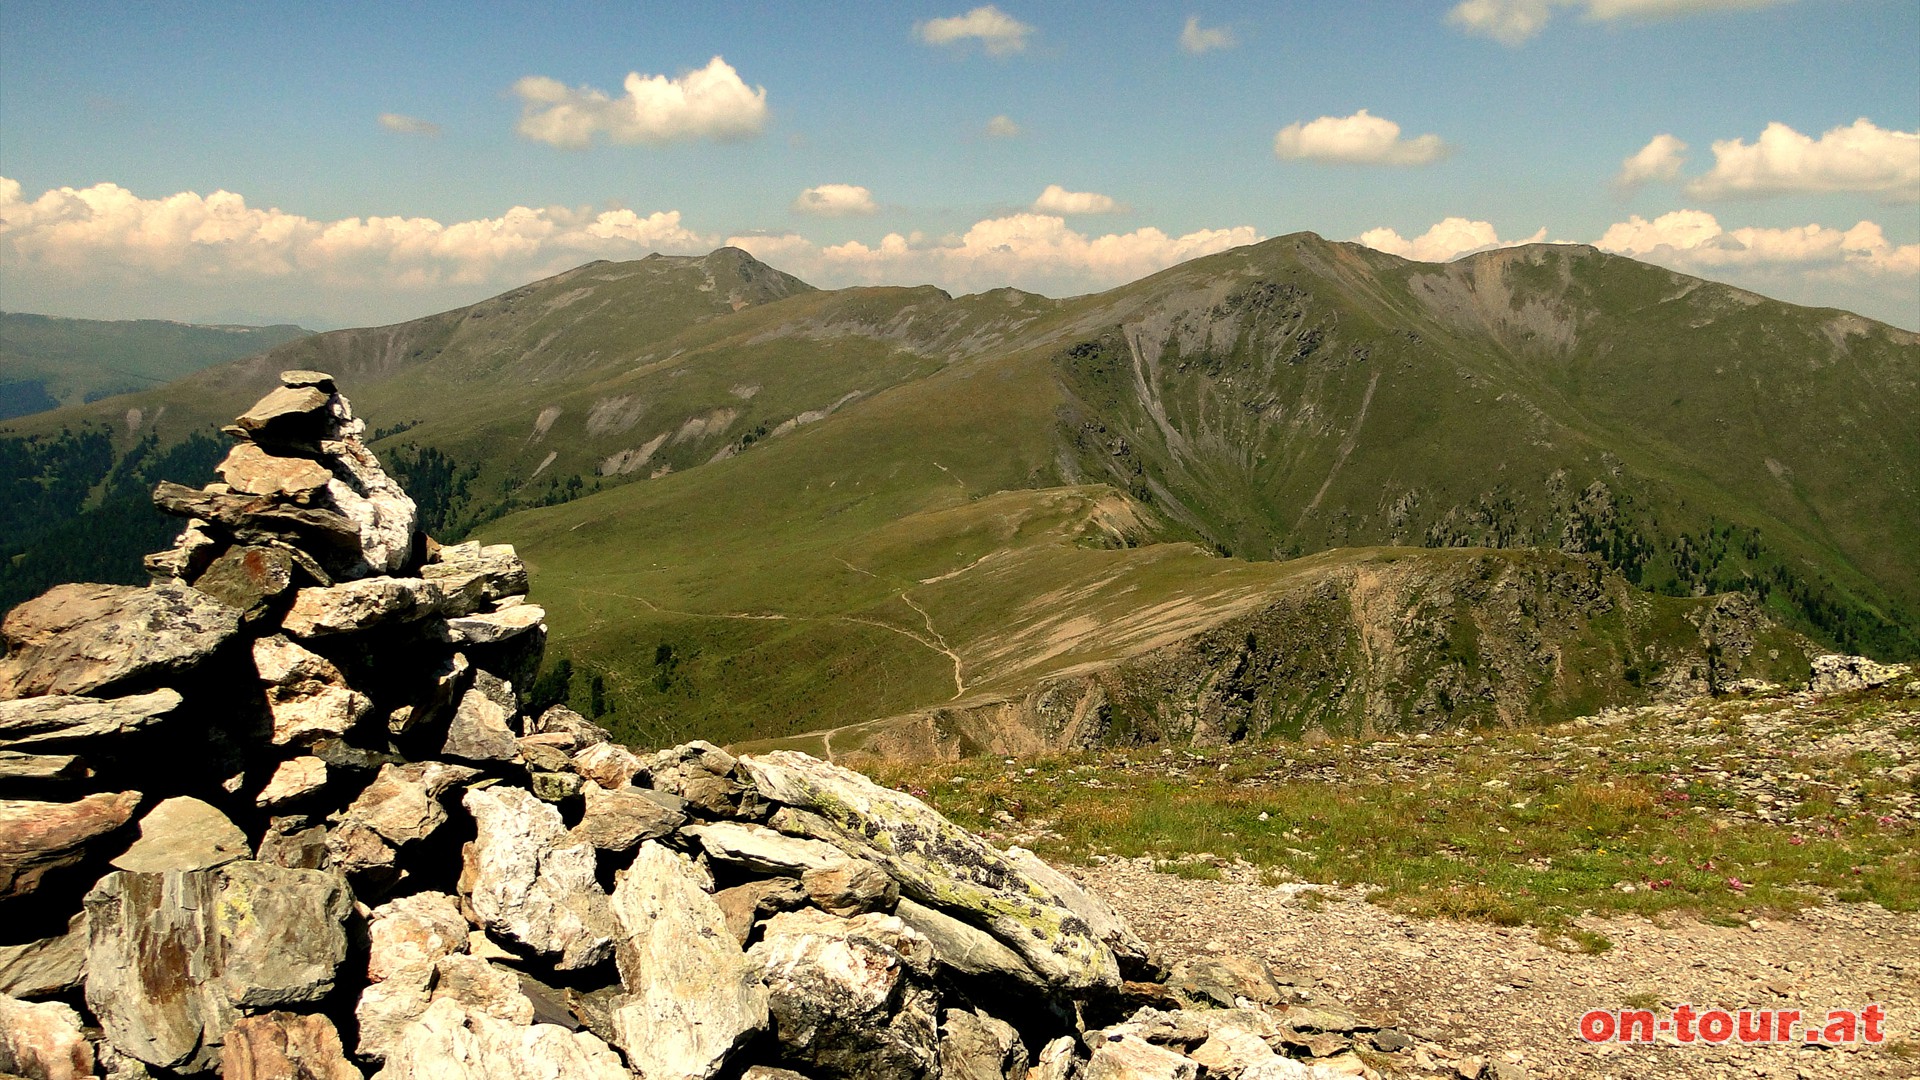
[1196, 39]
[835, 200]
[1694, 240]
[1659, 160]
[107, 233]
[998, 32]
[1030, 251]
[1058, 200]
[1360, 139]
[1446, 240]
[402, 124]
[1003, 127]
[1862, 157]
[709, 103]
[1513, 22]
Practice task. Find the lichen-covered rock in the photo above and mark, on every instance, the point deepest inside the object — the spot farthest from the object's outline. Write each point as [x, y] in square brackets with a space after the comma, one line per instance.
[245, 577]
[692, 998]
[532, 883]
[83, 639]
[1221, 981]
[184, 833]
[285, 1046]
[1835, 674]
[581, 732]
[850, 998]
[43, 967]
[967, 949]
[42, 1041]
[768, 851]
[37, 837]
[173, 957]
[306, 693]
[61, 719]
[936, 863]
[1136, 957]
[449, 1042]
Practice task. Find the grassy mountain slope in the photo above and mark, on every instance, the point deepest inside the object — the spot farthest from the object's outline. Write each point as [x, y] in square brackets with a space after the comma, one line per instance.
[47, 362]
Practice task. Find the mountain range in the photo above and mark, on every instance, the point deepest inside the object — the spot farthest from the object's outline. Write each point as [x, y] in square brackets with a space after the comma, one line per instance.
[1290, 487]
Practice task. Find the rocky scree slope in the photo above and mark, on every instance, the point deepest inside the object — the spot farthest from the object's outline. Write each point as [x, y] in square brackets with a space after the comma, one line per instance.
[280, 814]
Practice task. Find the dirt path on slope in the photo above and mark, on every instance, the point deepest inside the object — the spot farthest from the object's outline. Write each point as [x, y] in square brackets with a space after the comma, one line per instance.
[1468, 989]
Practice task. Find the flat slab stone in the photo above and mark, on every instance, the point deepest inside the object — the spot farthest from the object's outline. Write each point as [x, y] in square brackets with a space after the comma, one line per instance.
[486, 629]
[47, 966]
[184, 834]
[359, 605]
[83, 638]
[62, 718]
[37, 837]
[249, 469]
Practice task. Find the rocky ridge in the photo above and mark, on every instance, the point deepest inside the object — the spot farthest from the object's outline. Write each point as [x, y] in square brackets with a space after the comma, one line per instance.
[283, 813]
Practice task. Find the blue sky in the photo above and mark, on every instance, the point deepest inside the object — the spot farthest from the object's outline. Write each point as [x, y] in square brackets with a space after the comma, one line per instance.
[510, 147]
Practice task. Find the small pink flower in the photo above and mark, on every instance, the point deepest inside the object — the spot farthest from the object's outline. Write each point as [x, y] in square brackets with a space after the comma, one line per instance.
[1736, 884]
[1886, 821]
[1796, 840]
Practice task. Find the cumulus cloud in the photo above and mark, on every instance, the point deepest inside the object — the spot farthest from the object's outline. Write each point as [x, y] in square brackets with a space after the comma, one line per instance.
[402, 124]
[107, 233]
[1002, 127]
[1360, 139]
[1196, 39]
[1513, 22]
[1446, 240]
[1031, 251]
[709, 103]
[1694, 240]
[835, 200]
[1058, 200]
[1659, 160]
[1861, 157]
[997, 32]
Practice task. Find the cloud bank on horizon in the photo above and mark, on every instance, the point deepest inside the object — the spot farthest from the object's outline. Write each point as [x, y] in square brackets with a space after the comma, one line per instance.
[1818, 212]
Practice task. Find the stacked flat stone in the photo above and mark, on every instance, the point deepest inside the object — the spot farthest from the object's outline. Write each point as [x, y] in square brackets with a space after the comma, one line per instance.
[283, 813]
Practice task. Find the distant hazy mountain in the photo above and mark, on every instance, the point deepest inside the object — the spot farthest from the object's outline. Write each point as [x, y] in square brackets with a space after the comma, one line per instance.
[1181, 508]
[47, 361]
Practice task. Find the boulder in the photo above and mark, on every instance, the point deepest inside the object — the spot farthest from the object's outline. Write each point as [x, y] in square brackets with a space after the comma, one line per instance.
[43, 1041]
[1221, 981]
[285, 1046]
[744, 905]
[307, 695]
[46, 966]
[976, 1046]
[250, 469]
[692, 998]
[81, 639]
[1129, 1057]
[707, 777]
[292, 780]
[450, 1042]
[355, 606]
[936, 863]
[407, 939]
[184, 834]
[288, 415]
[37, 837]
[532, 884]
[850, 998]
[479, 730]
[1835, 674]
[580, 732]
[1136, 957]
[58, 719]
[764, 850]
[607, 764]
[382, 514]
[471, 576]
[490, 627]
[173, 957]
[967, 950]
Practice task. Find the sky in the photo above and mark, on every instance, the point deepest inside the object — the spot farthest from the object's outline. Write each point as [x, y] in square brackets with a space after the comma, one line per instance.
[337, 164]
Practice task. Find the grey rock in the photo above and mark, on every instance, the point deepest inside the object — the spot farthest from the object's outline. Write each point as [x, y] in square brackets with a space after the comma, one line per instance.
[58, 719]
[47, 966]
[285, 1046]
[976, 1046]
[43, 1041]
[173, 957]
[250, 469]
[607, 764]
[307, 695]
[288, 414]
[581, 732]
[184, 834]
[532, 883]
[936, 863]
[967, 949]
[471, 577]
[379, 509]
[81, 639]
[354, 606]
[1220, 981]
[1835, 674]
[490, 627]
[744, 905]
[400, 806]
[1230, 1051]
[1136, 958]
[768, 851]
[32, 768]
[707, 777]
[851, 888]
[298, 377]
[245, 577]
[482, 987]
[296, 845]
[1056, 1061]
[479, 730]
[407, 939]
[849, 997]
[38, 837]
[450, 1042]
[1130, 1057]
[692, 998]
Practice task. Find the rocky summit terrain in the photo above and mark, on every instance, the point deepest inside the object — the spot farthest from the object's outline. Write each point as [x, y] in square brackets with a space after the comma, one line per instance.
[283, 813]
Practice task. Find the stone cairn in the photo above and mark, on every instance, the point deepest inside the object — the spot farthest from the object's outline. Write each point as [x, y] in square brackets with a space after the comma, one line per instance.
[279, 814]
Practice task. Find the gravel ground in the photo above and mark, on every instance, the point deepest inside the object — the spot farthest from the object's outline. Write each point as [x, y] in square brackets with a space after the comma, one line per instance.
[1469, 990]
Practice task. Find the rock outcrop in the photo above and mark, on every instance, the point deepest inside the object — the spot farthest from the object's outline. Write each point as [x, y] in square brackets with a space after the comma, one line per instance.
[352, 851]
